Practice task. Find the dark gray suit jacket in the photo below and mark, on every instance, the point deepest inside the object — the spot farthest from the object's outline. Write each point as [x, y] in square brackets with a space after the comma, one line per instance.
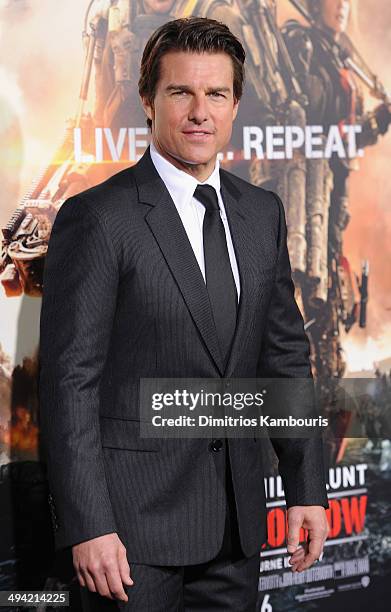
[124, 298]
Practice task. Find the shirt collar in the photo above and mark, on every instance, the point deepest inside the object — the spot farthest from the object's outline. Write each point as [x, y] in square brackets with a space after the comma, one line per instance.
[180, 184]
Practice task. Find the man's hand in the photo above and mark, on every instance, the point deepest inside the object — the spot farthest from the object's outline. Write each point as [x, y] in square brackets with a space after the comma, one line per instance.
[101, 566]
[313, 519]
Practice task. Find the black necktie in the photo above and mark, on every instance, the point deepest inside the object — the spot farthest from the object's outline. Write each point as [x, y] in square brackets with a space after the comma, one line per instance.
[220, 282]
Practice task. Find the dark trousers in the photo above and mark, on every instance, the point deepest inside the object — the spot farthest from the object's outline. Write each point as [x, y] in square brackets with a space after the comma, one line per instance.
[228, 582]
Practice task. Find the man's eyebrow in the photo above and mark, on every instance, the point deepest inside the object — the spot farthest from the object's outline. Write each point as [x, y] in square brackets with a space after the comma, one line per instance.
[219, 89]
[174, 87]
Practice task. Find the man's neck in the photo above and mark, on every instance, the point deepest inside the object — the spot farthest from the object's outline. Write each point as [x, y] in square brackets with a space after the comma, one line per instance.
[201, 172]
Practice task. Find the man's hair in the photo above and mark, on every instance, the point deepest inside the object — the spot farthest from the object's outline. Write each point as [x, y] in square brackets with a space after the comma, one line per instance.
[192, 35]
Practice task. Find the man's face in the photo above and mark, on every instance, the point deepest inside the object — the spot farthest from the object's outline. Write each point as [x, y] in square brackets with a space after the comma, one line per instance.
[335, 14]
[193, 109]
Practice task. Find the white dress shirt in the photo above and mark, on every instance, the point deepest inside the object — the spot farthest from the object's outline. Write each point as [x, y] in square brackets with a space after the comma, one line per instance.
[181, 187]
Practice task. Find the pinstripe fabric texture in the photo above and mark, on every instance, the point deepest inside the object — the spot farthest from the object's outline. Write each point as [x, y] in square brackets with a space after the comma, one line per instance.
[124, 298]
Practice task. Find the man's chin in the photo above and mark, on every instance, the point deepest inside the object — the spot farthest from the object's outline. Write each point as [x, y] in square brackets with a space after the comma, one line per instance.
[194, 158]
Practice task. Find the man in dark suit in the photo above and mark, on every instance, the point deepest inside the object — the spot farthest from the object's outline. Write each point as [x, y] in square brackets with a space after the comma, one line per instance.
[171, 268]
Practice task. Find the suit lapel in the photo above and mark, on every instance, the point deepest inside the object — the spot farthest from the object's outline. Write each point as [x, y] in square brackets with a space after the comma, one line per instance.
[241, 238]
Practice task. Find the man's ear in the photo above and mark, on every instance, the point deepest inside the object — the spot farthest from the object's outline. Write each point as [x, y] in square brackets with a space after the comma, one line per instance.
[148, 108]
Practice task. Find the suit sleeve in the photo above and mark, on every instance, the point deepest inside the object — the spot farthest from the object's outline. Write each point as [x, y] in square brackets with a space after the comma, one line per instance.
[78, 306]
[285, 353]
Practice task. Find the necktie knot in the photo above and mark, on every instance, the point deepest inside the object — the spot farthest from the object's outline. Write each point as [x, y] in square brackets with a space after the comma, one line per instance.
[206, 194]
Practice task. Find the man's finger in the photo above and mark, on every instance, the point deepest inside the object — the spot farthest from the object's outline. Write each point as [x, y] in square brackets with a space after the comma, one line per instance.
[315, 547]
[297, 556]
[307, 562]
[293, 538]
[115, 583]
[295, 563]
[80, 578]
[88, 580]
[103, 586]
[124, 568]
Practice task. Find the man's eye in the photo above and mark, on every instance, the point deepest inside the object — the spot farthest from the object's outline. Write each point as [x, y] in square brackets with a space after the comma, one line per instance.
[217, 94]
[179, 93]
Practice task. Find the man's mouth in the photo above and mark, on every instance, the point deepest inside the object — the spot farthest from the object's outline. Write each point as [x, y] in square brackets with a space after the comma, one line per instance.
[196, 132]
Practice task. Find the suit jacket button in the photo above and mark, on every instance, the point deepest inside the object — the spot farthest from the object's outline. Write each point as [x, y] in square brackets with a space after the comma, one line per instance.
[216, 445]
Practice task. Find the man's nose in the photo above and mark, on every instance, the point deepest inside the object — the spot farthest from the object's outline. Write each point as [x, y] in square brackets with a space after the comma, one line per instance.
[198, 111]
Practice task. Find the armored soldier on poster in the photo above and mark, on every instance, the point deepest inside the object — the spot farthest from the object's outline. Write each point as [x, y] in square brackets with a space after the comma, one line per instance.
[114, 34]
[272, 95]
[328, 68]
[124, 27]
